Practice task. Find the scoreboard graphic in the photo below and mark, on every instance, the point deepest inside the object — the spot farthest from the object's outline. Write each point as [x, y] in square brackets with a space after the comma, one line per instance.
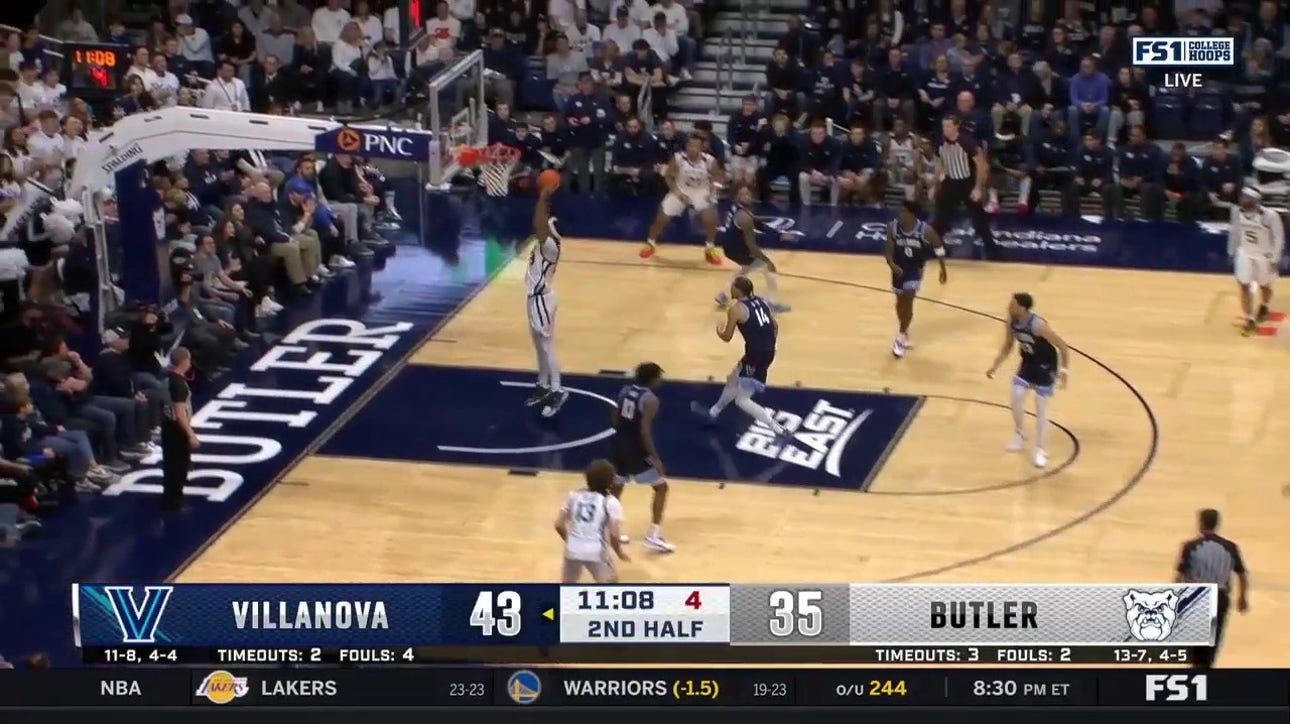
[858, 623]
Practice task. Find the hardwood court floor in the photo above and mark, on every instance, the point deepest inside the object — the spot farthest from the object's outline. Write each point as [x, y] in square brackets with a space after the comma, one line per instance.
[1170, 389]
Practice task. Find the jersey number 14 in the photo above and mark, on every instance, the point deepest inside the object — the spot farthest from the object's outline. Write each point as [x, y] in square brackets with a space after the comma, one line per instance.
[500, 613]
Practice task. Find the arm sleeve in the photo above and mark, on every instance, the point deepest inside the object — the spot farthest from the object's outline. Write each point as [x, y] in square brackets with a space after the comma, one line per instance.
[1233, 234]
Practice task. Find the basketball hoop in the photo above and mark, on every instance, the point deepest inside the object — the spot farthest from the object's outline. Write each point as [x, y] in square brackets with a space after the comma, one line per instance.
[495, 163]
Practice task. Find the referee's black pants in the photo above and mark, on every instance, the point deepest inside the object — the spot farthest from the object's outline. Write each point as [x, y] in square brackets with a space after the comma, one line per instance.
[176, 460]
[955, 194]
[1203, 657]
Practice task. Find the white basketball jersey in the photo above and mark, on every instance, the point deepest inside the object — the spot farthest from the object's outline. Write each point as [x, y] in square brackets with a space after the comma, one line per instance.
[539, 277]
[589, 516]
[694, 178]
[900, 154]
[1256, 233]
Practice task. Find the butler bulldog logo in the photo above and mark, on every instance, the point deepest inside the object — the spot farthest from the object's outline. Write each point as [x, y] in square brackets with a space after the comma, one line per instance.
[1151, 614]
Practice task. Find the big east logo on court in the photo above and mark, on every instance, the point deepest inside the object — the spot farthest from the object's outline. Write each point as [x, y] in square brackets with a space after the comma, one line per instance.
[820, 438]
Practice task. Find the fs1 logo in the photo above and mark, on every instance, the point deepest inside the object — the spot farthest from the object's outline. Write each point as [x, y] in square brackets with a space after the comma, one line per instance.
[820, 438]
[1177, 687]
[138, 619]
[1189, 51]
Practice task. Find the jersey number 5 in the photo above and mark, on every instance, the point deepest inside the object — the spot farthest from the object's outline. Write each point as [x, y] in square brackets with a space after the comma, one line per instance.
[1251, 236]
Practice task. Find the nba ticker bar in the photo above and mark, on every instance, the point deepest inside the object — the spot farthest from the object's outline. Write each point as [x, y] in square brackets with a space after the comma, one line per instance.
[511, 687]
[878, 623]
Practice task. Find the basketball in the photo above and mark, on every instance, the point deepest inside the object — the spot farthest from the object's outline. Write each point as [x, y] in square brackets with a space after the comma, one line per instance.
[549, 180]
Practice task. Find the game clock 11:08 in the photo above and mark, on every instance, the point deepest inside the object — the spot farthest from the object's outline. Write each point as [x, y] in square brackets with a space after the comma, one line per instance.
[95, 67]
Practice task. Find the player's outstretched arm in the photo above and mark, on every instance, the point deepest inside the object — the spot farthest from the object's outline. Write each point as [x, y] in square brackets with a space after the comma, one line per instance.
[734, 315]
[542, 214]
[938, 249]
[889, 250]
[562, 522]
[669, 176]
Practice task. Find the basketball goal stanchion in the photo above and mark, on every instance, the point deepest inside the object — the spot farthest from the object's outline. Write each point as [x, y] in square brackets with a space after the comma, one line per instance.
[495, 165]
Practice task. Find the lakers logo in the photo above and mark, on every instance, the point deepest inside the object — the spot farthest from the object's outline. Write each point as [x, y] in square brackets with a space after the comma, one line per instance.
[524, 687]
[349, 140]
[221, 687]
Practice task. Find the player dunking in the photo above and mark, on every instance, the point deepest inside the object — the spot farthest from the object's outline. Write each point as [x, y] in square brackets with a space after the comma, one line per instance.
[740, 245]
[755, 320]
[909, 240]
[1042, 351]
[588, 524]
[1255, 242]
[691, 179]
[539, 284]
[634, 455]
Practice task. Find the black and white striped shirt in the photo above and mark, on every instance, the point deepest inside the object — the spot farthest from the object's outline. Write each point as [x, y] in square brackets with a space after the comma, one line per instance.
[956, 157]
[1210, 558]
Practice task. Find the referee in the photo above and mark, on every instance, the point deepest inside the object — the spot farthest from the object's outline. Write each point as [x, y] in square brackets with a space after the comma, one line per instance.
[963, 170]
[1211, 558]
[177, 436]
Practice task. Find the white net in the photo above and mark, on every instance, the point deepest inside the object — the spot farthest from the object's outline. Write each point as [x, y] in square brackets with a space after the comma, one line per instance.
[495, 166]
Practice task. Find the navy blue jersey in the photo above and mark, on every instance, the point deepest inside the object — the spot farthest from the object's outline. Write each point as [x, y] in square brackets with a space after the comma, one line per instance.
[628, 450]
[733, 242]
[760, 329]
[1038, 368]
[910, 253]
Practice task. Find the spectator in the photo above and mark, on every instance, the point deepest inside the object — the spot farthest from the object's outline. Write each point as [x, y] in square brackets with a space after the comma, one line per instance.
[1051, 153]
[77, 29]
[1094, 174]
[212, 340]
[667, 143]
[1063, 58]
[898, 90]
[663, 41]
[11, 110]
[348, 68]
[554, 143]
[861, 94]
[1010, 165]
[1221, 175]
[247, 260]
[1267, 26]
[932, 48]
[26, 433]
[622, 31]
[501, 126]
[52, 94]
[502, 66]
[1015, 85]
[978, 84]
[137, 99]
[238, 47]
[176, 62]
[622, 110]
[295, 16]
[900, 160]
[223, 293]
[276, 40]
[195, 46]
[799, 44]
[642, 69]
[1090, 91]
[227, 92]
[165, 89]
[633, 158]
[301, 254]
[826, 99]
[583, 38]
[678, 23]
[48, 149]
[564, 67]
[780, 154]
[819, 165]
[329, 20]
[990, 55]
[310, 62]
[1111, 52]
[302, 214]
[443, 27]
[382, 79]
[255, 16]
[114, 379]
[959, 20]
[712, 145]
[783, 78]
[530, 145]
[28, 86]
[742, 129]
[347, 196]
[1181, 181]
[369, 25]
[607, 69]
[587, 119]
[1128, 103]
[1032, 36]
[1140, 166]
[861, 176]
[972, 120]
[1254, 142]
[640, 12]
[63, 401]
[1074, 26]
[934, 95]
[270, 85]
[1049, 96]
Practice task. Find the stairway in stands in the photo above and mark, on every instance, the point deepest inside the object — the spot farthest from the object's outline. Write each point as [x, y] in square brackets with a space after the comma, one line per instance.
[732, 65]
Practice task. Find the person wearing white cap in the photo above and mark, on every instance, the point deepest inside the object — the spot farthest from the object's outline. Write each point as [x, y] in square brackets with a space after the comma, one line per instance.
[195, 45]
[1255, 243]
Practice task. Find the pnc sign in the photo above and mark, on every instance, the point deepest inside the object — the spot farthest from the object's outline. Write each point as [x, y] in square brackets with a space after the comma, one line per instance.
[389, 143]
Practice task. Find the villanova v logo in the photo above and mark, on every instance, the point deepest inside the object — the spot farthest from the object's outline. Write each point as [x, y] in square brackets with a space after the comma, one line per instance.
[138, 621]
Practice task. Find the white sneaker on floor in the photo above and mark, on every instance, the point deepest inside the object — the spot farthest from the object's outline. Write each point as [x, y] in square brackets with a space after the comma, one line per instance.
[658, 545]
[1041, 459]
[272, 305]
[898, 347]
[1017, 444]
[686, 75]
[323, 271]
[555, 402]
[624, 539]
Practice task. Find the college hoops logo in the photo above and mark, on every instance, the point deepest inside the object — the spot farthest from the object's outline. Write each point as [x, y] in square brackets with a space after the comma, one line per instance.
[221, 687]
[1151, 614]
[820, 438]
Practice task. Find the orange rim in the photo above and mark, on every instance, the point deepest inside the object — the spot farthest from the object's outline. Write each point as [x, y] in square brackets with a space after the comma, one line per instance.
[477, 155]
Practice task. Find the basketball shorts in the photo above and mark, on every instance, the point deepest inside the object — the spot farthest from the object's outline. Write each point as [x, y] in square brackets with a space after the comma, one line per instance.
[632, 465]
[753, 367]
[541, 311]
[675, 204]
[743, 165]
[909, 280]
[744, 259]
[1254, 269]
[1037, 377]
[601, 571]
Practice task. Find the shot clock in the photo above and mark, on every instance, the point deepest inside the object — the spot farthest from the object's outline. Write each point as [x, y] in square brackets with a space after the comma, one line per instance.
[97, 68]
